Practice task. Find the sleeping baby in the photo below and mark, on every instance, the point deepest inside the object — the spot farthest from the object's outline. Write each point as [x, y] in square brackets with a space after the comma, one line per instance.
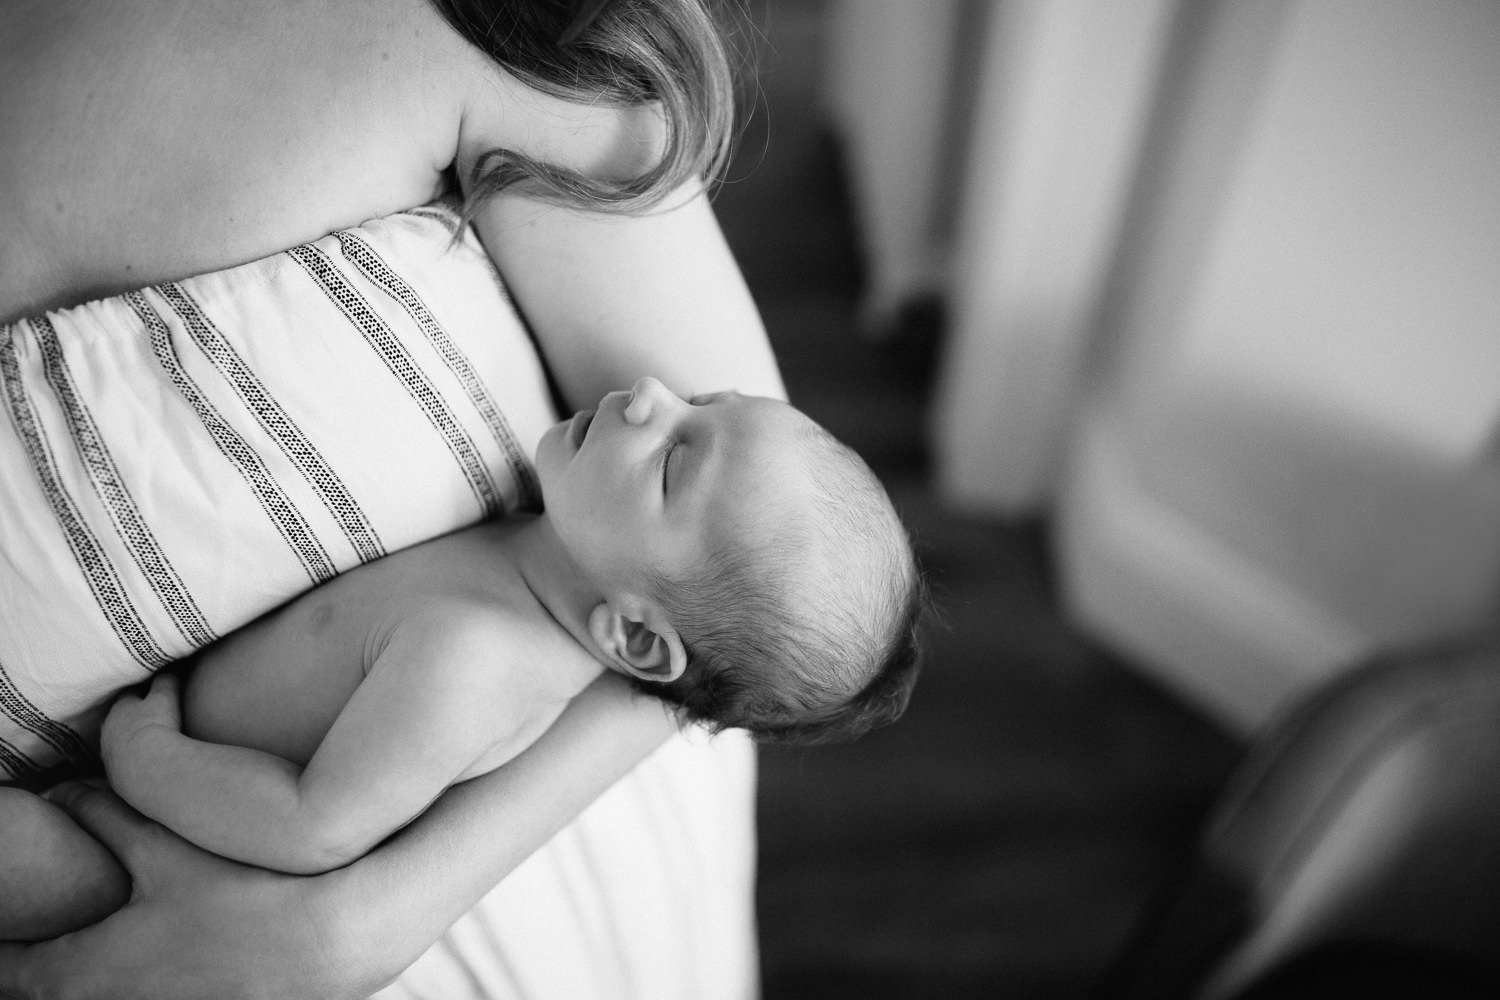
[725, 553]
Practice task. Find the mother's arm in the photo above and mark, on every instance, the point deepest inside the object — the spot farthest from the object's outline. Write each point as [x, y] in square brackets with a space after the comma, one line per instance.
[611, 299]
[615, 298]
[198, 925]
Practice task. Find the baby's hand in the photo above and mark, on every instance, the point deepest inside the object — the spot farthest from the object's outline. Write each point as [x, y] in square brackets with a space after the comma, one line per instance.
[132, 713]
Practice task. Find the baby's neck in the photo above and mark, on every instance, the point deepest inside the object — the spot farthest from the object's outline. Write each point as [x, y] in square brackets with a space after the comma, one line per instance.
[549, 572]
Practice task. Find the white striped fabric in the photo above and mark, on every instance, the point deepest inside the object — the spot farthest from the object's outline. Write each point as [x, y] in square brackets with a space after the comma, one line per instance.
[177, 461]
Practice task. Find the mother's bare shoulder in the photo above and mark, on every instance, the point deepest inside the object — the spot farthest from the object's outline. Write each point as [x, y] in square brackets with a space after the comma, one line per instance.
[153, 139]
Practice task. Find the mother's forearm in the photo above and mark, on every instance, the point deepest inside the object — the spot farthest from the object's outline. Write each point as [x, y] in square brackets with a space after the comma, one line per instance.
[613, 298]
[401, 897]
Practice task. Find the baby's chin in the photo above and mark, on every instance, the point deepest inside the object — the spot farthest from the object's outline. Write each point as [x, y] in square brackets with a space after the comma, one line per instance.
[550, 447]
[560, 442]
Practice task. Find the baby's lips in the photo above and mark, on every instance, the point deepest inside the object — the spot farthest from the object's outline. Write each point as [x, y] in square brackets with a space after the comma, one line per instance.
[578, 427]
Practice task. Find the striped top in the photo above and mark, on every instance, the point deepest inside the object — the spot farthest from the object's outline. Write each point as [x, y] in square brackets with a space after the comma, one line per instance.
[176, 461]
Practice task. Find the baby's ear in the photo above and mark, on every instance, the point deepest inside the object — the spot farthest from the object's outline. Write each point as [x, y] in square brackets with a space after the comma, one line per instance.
[638, 640]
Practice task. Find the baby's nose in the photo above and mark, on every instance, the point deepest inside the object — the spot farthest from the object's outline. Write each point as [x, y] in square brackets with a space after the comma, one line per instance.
[646, 397]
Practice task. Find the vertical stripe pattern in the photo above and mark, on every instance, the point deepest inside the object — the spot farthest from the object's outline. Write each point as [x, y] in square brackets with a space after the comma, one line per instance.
[378, 273]
[283, 514]
[404, 369]
[33, 720]
[110, 595]
[175, 462]
[115, 497]
[278, 424]
[17, 766]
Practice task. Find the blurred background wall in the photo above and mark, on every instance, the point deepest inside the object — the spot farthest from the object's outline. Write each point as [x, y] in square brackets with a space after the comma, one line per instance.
[1171, 327]
[1222, 283]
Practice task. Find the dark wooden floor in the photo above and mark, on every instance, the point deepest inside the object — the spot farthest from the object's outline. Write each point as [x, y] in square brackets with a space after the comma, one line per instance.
[1003, 839]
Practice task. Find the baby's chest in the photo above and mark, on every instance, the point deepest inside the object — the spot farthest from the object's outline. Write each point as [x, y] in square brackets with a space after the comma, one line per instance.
[276, 685]
[512, 739]
[516, 707]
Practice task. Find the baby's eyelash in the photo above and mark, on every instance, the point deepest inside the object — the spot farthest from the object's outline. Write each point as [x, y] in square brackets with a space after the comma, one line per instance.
[666, 455]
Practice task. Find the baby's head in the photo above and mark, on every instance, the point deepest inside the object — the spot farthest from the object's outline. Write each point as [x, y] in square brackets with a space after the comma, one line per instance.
[748, 566]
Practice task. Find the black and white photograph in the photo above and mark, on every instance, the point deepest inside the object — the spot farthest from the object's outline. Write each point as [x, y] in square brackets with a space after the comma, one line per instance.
[749, 499]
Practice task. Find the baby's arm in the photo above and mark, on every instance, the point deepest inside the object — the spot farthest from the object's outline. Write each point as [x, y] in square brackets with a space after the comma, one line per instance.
[431, 706]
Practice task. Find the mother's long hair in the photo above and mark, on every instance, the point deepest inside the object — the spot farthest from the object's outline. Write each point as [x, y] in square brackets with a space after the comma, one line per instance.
[673, 53]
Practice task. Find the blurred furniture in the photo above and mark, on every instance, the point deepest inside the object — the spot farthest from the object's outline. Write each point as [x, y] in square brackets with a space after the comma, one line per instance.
[896, 76]
[1288, 457]
[1224, 290]
[1354, 852]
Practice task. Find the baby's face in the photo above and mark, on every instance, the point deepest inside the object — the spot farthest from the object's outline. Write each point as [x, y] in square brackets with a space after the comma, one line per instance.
[651, 482]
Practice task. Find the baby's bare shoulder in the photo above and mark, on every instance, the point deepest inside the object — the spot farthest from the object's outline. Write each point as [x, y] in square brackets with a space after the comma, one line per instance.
[500, 636]
[489, 620]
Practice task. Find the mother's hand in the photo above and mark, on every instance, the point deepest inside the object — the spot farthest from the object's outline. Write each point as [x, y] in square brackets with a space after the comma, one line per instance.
[196, 926]
[200, 926]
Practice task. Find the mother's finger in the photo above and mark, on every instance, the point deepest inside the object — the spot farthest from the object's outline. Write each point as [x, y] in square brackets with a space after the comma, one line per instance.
[12, 967]
[69, 967]
[52, 969]
[112, 822]
[24, 969]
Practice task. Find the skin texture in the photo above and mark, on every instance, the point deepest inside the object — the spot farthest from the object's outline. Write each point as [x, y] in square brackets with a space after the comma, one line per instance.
[82, 881]
[310, 736]
[155, 139]
[657, 481]
[198, 925]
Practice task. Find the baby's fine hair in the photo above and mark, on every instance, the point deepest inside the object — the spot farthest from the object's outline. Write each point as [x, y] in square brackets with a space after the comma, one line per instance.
[812, 638]
[672, 53]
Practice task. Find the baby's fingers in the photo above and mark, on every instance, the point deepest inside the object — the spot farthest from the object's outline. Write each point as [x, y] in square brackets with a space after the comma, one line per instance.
[164, 701]
[123, 715]
[165, 685]
[131, 837]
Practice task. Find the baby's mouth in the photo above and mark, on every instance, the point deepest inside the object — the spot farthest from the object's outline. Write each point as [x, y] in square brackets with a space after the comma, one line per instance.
[578, 428]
